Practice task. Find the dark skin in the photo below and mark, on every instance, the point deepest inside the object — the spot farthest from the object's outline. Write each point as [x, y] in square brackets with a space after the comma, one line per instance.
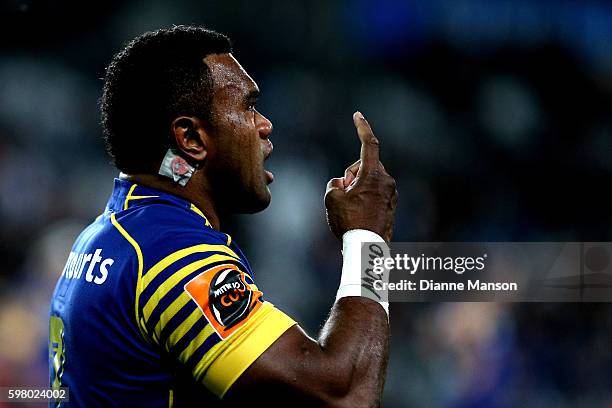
[230, 148]
[345, 366]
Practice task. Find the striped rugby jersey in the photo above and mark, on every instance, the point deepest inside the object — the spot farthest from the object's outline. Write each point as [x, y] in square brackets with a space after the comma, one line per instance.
[155, 308]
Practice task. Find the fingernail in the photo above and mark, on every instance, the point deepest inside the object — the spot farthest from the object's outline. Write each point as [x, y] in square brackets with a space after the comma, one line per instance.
[360, 115]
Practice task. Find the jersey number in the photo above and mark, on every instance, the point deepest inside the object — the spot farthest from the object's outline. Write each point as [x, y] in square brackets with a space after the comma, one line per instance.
[56, 351]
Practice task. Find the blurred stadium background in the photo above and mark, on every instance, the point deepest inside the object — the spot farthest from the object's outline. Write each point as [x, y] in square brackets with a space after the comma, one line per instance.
[494, 116]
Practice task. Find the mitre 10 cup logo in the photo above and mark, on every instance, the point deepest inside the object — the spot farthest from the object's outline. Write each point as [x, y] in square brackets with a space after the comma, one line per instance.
[225, 298]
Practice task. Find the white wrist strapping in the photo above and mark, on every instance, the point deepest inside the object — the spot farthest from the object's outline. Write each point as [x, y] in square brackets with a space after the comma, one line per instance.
[350, 281]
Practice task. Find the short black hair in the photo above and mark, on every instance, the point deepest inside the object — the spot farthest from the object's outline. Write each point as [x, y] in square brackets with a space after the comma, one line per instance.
[157, 77]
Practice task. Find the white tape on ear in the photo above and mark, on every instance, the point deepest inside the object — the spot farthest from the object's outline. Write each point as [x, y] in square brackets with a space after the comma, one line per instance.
[350, 280]
[176, 167]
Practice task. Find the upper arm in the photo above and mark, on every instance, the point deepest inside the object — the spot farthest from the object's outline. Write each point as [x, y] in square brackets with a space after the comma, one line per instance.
[201, 306]
[339, 369]
[294, 368]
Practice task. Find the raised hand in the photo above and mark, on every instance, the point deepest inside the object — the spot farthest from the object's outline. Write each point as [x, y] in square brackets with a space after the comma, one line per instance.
[366, 197]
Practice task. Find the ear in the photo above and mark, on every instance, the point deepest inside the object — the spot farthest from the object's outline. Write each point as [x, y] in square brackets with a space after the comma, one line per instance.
[190, 137]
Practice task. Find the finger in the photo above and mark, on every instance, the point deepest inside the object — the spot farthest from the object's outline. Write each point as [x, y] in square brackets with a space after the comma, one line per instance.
[369, 143]
[351, 173]
[335, 183]
[382, 166]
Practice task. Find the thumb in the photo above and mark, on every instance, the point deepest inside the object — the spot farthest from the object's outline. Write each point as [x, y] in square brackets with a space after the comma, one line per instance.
[335, 183]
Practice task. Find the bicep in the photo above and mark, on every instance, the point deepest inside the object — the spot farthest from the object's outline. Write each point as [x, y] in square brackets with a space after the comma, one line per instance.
[205, 311]
[293, 368]
[343, 368]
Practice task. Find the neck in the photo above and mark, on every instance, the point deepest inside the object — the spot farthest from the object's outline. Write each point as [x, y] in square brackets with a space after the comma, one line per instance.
[199, 198]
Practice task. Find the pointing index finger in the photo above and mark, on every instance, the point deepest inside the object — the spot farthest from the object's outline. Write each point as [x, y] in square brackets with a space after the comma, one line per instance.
[369, 143]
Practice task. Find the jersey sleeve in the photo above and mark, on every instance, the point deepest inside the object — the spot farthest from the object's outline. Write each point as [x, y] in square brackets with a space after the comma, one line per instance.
[201, 306]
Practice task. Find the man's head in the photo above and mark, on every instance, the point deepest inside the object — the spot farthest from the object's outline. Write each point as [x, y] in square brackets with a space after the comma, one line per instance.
[181, 88]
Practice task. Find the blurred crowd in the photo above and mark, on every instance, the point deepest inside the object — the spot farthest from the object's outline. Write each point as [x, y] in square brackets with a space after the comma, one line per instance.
[494, 117]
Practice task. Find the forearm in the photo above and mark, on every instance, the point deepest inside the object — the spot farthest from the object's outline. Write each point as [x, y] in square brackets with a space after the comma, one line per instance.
[345, 366]
[356, 339]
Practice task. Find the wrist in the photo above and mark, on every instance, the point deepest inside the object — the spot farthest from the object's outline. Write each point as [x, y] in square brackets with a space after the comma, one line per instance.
[351, 278]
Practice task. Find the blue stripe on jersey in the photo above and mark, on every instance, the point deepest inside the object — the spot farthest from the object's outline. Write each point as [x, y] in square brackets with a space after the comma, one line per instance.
[175, 292]
[182, 344]
[234, 247]
[176, 321]
[167, 272]
[197, 355]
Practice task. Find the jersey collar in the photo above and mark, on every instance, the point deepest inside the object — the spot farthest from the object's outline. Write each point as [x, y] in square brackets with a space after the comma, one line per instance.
[127, 194]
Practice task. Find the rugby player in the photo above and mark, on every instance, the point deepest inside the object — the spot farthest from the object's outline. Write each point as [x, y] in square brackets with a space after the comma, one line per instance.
[158, 307]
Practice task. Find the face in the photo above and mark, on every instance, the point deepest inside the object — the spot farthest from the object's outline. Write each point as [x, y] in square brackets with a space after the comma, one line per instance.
[239, 140]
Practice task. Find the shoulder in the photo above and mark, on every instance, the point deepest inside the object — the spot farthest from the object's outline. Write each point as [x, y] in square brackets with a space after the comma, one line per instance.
[173, 245]
[160, 230]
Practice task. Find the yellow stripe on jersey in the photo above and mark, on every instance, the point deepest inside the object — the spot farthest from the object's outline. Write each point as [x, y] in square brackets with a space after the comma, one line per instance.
[215, 351]
[170, 259]
[163, 289]
[195, 343]
[131, 197]
[184, 327]
[227, 360]
[176, 305]
[131, 240]
[127, 197]
[199, 212]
